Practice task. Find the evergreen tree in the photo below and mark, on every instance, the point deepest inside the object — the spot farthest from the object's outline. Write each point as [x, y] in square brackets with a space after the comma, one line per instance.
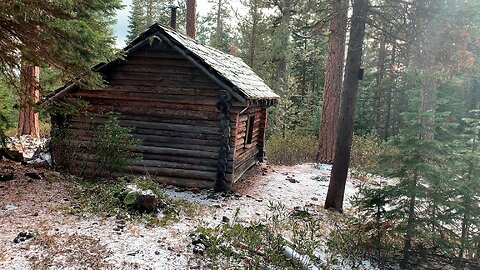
[136, 20]
[68, 35]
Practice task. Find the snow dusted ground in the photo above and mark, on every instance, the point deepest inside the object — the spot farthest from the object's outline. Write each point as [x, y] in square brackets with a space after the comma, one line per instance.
[41, 206]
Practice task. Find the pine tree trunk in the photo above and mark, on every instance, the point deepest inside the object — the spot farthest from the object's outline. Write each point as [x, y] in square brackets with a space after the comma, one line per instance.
[219, 29]
[407, 246]
[29, 96]
[378, 84]
[282, 62]
[191, 18]
[338, 178]
[333, 81]
[253, 38]
[388, 113]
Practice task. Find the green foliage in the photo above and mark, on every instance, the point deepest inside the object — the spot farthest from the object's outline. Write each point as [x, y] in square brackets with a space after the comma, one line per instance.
[258, 245]
[107, 154]
[90, 197]
[144, 13]
[367, 151]
[111, 148]
[71, 36]
[8, 115]
[291, 149]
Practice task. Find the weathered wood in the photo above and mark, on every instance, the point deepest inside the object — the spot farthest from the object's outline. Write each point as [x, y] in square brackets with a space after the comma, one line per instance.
[149, 104]
[148, 125]
[174, 165]
[159, 90]
[240, 170]
[162, 82]
[180, 173]
[146, 118]
[247, 154]
[182, 146]
[159, 69]
[181, 79]
[189, 160]
[141, 96]
[179, 152]
[139, 111]
[147, 61]
[177, 140]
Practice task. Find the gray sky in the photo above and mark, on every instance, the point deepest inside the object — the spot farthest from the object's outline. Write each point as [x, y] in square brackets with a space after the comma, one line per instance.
[120, 28]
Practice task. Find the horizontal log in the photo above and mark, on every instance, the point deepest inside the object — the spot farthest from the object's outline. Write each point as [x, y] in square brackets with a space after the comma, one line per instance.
[140, 111]
[181, 134]
[246, 154]
[189, 160]
[205, 148]
[149, 104]
[179, 152]
[153, 55]
[173, 70]
[85, 117]
[161, 90]
[173, 165]
[148, 125]
[148, 97]
[148, 61]
[243, 168]
[177, 140]
[175, 79]
[161, 82]
[180, 173]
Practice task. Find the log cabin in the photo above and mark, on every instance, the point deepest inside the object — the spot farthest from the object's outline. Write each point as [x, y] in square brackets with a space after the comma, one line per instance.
[200, 114]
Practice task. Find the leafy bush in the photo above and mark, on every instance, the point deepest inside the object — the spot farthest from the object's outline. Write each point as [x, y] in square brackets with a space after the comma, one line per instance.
[111, 148]
[367, 151]
[106, 154]
[291, 149]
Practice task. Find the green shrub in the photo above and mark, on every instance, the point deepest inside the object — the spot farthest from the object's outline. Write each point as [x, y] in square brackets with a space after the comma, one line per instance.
[366, 152]
[291, 149]
[104, 156]
[111, 148]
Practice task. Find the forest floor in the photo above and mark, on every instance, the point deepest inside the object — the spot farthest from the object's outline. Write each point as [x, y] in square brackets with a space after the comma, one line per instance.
[65, 240]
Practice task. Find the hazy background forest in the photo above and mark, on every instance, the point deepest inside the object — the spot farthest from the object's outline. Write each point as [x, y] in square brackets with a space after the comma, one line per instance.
[417, 118]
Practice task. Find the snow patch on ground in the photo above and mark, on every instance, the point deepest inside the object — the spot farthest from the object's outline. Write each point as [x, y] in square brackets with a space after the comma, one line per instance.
[41, 208]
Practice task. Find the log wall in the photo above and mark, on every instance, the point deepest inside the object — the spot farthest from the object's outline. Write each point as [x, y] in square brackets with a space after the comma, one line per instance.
[171, 106]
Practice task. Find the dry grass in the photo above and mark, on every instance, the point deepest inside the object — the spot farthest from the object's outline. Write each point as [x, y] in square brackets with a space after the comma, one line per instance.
[74, 251]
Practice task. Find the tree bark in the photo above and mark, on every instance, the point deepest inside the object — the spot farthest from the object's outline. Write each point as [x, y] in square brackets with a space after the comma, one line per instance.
[338, 178]
[333, 81]
[29, 96]
[282, 73]
[388, 112]
[253, 38]
[378, 83]
[191, 18]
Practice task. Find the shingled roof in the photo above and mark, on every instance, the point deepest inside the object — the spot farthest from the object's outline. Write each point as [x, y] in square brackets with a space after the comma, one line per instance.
[229, 71]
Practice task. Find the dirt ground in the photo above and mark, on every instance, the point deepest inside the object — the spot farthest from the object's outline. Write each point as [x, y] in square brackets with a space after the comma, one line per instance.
[67, 241]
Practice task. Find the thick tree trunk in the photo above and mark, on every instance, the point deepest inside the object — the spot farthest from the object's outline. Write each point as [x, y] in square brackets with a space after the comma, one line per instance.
[333, 81]
[191, 18]
[29, 96]
[338, 178]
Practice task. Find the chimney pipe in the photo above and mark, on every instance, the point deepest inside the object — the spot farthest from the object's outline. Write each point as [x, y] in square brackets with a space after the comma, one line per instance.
[173, 17]
[191, 18]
